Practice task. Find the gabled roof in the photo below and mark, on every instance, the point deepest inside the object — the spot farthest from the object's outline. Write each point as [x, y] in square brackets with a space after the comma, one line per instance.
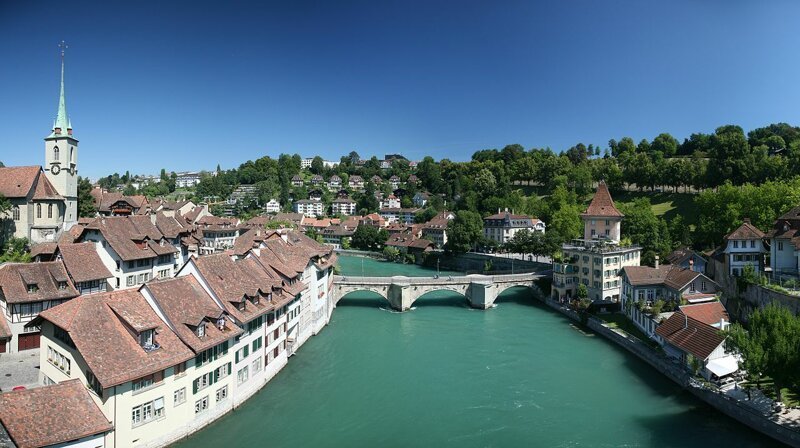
[18, 181]
[45, 190]
[746, 231]
[51, 415]
[101, 327]
[131, 237]
[690, 335]
[5, 332]
[82, 262]
[602, 205]
[15, 278]
[709, 313]
[187, 305]
[682, 254]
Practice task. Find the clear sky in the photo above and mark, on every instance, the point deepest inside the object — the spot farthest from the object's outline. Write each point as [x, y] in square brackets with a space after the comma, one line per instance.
[187, 86]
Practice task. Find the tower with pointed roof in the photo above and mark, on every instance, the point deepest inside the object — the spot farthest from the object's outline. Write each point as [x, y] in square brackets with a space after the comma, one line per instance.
[602, 220]
[61, 156]
[597, 259]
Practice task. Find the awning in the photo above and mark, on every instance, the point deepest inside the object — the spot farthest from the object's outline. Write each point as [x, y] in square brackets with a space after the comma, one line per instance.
[723, 366]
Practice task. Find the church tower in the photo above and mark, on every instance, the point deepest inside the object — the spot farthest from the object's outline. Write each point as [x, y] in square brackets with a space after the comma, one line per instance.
[61, 156]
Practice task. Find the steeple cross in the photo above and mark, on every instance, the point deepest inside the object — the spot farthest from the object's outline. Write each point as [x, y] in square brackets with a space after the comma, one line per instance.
[63, 46]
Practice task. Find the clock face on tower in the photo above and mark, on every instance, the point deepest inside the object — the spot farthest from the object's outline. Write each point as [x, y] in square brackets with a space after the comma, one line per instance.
[55, 169]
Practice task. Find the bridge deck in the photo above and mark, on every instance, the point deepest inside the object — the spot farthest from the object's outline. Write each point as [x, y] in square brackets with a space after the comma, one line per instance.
[443, 280]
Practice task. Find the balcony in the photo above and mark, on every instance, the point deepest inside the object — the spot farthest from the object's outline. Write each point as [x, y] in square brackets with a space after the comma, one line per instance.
[598, 246]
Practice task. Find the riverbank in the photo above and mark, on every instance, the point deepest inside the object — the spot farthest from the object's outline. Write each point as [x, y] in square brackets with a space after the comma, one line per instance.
[736, 409]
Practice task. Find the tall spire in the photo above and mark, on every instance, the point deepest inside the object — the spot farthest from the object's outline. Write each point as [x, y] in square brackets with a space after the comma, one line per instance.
[62, 121]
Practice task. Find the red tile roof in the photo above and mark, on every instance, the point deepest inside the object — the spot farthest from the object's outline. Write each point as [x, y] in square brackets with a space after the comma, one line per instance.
[690, 335]
[83, 263]
[45, 190]
[746, 231]
[710, 313]
[51, 415]
[18, 181]
[131, 237]
[187, 305]
[100, 326]
[602, 204]
[15, 278]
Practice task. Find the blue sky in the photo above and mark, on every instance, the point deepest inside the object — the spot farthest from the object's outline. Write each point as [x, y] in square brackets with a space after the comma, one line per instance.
[187, 86]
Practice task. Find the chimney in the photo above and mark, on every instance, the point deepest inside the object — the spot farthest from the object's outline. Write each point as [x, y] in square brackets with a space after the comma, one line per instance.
[691, 264]
[657, 258]
[746, 220]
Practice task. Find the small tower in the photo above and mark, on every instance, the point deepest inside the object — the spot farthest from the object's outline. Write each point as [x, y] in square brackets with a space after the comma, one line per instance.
[61, 156]
[602, 220]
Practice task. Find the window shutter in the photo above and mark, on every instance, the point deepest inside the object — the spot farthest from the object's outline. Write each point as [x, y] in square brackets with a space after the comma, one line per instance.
[216, 375]
[194, 386]
[229, 368]
[237, 356]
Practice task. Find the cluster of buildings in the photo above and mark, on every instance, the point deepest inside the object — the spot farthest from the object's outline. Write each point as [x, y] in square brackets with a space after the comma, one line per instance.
[677, 304]
[152, 319]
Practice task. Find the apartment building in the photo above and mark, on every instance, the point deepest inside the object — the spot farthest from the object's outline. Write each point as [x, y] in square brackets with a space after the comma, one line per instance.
[502, 226]
[309, 208]
[343, 206]
[597, 259]
[132, 249]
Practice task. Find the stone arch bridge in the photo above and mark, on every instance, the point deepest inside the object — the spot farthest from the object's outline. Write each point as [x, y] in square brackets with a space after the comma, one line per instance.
[401, 292]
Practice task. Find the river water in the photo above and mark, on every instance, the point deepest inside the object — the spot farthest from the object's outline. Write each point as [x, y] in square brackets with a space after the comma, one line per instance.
[445, 375]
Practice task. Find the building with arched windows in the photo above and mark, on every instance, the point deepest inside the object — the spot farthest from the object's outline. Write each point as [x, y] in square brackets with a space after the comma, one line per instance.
[44, 200]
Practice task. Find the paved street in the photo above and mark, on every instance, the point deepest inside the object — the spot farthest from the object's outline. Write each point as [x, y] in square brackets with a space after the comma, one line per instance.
[19, 369]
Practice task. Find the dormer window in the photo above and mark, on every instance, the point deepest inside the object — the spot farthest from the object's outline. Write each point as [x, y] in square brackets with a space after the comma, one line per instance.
[221, 323]
[241, 306]
[147, 339]
[256, 299]
[32, 288]
[201, 330]
[62, 285]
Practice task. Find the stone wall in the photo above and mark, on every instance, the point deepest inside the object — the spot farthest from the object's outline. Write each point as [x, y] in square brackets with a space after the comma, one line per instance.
[739, 305]
[728, 406]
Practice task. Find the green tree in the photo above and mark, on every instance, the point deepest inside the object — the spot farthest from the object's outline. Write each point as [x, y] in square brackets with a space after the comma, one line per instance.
[464, 232]
[391, 253]
[15, 250]
[5, 207]
[769, 346]
[369, 238]
[317, 165]
[129, 190]
[86, 207]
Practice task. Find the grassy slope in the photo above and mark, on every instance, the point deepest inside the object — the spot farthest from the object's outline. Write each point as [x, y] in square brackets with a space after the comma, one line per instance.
[668, 205]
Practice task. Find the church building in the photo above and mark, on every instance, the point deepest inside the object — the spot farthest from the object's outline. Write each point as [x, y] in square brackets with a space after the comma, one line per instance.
[44, 200]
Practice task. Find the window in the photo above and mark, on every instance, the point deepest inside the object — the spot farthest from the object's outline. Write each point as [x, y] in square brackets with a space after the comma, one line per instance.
[147, 338]
[131, 280]
[61, 334]
[243, 375]
[201, 330]
[50, 210]
[242, 353]
[15, 212]
[255, 324]
[147, 412]
[257, 365]
[222, 371]
[32, 288]
[752, 244]
[201, 405]
[62, 285]
[780, 245]
[204, 381]
[56, 153]
[147, 381]
[164, 273]
[257, 344]
[222, 394]
[179, 396]
[131, 264]
[38, 210]
[93, 384]
[144, 277]
[180, 369]
[57, 359]
[735, 244]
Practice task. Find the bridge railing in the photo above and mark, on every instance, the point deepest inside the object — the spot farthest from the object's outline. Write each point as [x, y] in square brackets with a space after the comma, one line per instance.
[441, 280]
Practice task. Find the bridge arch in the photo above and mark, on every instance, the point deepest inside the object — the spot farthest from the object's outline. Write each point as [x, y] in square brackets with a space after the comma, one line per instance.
[436, 297]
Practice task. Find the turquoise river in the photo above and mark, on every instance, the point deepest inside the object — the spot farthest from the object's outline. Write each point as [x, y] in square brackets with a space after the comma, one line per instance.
[445, 375]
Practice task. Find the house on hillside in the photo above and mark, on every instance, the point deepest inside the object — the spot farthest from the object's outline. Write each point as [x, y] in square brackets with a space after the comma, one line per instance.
[687, 258]
[502, 227]
[744, 247]
[784, 238]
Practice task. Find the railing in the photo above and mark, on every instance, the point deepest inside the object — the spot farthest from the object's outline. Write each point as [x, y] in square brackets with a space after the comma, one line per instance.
[346, 279]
